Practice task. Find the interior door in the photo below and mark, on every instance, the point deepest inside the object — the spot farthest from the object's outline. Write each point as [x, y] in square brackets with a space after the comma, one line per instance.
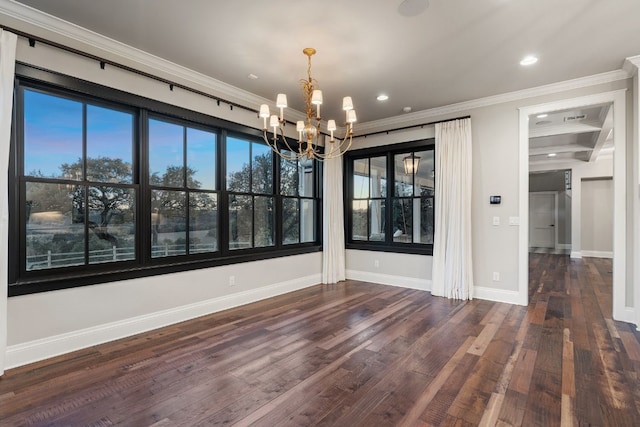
[542, 220]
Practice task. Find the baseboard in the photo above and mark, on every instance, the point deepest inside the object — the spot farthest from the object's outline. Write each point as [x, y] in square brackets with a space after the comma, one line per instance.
[497, 295]
[563, 246]
[33, 351]
[597, 254]
[391, 280]
[576, 254]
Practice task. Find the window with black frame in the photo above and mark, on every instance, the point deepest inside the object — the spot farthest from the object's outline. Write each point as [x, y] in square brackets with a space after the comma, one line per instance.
[298, 204]
[79, 190]
[250, 191]
[106, 185]
[390, 192]
[182, 178]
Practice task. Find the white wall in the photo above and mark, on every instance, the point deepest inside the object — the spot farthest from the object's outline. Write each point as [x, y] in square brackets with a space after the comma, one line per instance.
[597, 218]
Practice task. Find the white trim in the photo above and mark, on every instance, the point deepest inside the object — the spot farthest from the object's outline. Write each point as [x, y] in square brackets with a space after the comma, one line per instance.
[576, 254]
[628, 315]
[597, 254]
[391, 280]
[497, 295]
[618, 99]
[33, 351]
[425, 115]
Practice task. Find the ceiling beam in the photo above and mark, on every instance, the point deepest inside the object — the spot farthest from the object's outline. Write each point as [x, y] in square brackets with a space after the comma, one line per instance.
[603, 136]
[565, 128]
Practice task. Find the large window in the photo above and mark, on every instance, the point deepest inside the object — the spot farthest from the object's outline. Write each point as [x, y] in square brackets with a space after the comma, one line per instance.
[107, 186]
[389, 198]
[78, 193]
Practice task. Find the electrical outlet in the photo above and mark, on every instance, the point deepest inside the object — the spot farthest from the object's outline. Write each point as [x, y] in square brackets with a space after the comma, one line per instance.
[496, 276]
[376, 263]
[496, 220]
[232, 280]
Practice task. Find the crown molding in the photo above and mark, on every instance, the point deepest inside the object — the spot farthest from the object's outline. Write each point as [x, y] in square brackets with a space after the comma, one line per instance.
[81, 38]
[631, 65]
[419, 117]
[66, 33]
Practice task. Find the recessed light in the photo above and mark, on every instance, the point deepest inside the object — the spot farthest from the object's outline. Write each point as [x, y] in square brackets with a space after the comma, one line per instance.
[407, 109]
[529, 60]
[382, 97]
[542, 116]
[252, 76]
[552, 155]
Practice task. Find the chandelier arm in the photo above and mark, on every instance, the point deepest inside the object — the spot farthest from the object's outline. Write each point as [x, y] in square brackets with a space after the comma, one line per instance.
[273, 144]
[337, 148]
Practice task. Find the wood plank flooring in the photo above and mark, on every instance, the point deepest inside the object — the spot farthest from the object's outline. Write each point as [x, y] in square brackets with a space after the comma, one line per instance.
[358, 354]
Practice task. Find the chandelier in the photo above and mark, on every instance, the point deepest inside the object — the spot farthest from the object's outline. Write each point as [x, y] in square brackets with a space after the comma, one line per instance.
[308, 129]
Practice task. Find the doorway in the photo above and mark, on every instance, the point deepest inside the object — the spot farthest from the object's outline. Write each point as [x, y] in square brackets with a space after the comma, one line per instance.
[618, 102]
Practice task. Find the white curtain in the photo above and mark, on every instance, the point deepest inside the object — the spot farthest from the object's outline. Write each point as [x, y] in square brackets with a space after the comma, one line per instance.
[8, 43]
[452, 273]
[333, 251]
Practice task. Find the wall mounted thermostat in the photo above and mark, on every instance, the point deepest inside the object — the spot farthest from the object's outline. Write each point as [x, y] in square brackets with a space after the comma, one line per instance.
[495, 200]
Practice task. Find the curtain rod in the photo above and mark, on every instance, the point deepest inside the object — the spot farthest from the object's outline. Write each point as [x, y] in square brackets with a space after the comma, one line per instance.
[411, 126]
[103, 62]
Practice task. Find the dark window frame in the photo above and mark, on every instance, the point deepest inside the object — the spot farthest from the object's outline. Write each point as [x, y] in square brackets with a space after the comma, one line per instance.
[23, 282]
[389, 152]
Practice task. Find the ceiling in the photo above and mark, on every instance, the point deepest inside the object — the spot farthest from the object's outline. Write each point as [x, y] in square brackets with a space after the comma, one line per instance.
[454, 51]
[568, 136]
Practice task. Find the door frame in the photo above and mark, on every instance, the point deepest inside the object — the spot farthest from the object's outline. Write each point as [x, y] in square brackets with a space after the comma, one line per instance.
[555, 215]
[618, 99]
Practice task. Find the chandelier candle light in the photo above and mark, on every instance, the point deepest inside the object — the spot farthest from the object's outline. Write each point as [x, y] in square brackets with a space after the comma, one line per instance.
[309, 129]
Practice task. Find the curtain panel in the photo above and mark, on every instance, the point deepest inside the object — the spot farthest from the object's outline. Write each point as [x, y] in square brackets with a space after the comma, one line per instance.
[452, 262]
[8, 42]
[333, 249]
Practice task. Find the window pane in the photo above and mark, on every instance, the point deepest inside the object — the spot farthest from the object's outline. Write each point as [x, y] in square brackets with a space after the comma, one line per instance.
[55, 225]
[290, 221]
[264, 221]
[426, 221]
[289, 177]
[201, 159]
[203, 222]
[402, 220]
[52, 136]
[238, 168]
[361, 179]
[168, 223]
[112, 224]
[403, 180]
[378, 176]
[262, 169]
[307, 223]
[166, 154]
[359, 220]
[109, 145]
[425, 175]
[240, 222]
[377, 220]
[305, 171]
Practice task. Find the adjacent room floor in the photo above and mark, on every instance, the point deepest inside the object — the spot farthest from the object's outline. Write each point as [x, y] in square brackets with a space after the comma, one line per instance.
[359, 354]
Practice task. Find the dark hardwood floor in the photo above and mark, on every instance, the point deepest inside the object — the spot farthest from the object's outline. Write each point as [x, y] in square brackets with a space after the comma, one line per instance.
[358, 354]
